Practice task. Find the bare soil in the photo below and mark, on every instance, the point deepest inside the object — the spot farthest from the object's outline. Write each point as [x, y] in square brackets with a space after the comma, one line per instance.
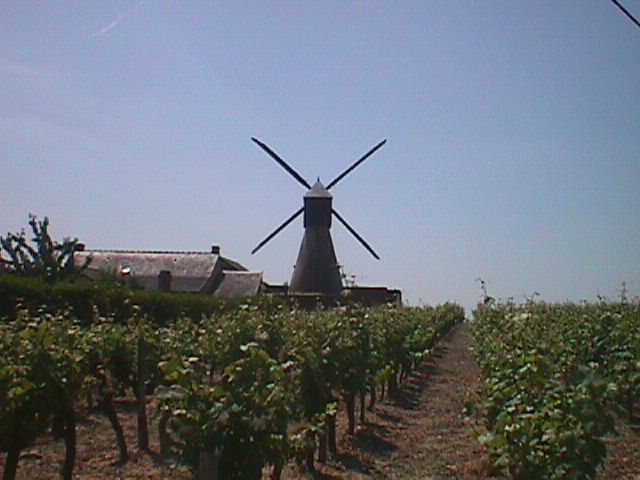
[623, 454]
[421, 432]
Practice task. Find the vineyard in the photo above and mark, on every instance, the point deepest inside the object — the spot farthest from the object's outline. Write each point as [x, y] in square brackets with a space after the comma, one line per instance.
[264, 391]
[556, 379]
[235, 393]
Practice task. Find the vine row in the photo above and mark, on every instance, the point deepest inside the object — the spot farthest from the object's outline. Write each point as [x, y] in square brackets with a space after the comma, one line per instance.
[235, 392]
[556, 376]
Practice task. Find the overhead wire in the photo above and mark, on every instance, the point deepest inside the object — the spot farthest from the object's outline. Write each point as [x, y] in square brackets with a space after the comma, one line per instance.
[626, 12]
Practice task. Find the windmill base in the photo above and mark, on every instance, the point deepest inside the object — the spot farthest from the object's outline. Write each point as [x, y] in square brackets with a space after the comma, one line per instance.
[364, 296]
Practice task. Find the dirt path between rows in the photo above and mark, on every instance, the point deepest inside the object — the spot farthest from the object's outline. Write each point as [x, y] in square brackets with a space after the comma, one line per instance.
[436, 440]
[422, 431]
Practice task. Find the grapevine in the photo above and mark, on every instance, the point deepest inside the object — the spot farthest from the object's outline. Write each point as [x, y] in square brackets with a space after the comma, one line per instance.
[251, 383]
[554, 377]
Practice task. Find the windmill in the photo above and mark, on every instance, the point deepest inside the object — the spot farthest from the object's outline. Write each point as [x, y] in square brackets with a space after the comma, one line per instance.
[317, 269]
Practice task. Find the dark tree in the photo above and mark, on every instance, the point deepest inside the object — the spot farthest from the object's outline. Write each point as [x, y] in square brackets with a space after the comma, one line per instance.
[41, 256]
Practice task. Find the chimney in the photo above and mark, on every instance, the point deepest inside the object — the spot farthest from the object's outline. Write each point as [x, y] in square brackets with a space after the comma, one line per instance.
[215, 249]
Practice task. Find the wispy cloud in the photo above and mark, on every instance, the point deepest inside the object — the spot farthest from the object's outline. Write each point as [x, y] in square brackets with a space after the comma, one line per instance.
[117, 20]
[109, 27]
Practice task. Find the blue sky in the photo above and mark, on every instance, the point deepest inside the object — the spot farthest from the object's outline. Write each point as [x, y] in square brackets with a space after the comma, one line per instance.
[512, 127]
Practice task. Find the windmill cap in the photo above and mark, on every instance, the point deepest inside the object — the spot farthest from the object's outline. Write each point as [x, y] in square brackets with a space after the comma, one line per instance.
[318, 191]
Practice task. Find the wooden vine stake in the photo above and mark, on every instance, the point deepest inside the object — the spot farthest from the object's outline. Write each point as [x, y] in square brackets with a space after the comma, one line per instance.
[208, 466]
[143, 429]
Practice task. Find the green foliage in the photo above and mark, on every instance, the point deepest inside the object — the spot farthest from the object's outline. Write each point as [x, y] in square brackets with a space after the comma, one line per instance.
[552, 375]
[89, 300]
[41, 257]
[23, 413]
[243, 417]
[253, 385]
[43, 370]
[266, 380]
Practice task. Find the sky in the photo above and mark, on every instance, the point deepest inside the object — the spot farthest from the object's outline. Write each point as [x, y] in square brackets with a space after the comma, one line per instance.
[512, 128]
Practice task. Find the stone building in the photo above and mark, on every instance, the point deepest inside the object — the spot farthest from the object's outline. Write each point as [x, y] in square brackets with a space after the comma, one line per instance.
[195, 272]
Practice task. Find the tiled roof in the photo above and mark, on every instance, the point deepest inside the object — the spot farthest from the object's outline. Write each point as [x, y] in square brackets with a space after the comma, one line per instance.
[239, 284]
[190, 271]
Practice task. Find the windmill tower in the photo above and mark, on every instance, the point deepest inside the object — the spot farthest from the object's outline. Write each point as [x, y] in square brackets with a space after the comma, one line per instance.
[317, 269]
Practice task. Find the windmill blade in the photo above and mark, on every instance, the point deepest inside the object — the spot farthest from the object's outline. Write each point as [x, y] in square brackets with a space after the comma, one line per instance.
[355, 234]
[281, 162]
[278, 230]
[350, 169]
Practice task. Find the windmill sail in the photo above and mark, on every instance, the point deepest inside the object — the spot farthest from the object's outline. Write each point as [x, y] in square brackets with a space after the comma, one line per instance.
[317, 269]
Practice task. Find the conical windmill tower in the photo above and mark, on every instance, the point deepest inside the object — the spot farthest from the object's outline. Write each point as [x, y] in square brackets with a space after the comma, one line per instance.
[317, 269]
